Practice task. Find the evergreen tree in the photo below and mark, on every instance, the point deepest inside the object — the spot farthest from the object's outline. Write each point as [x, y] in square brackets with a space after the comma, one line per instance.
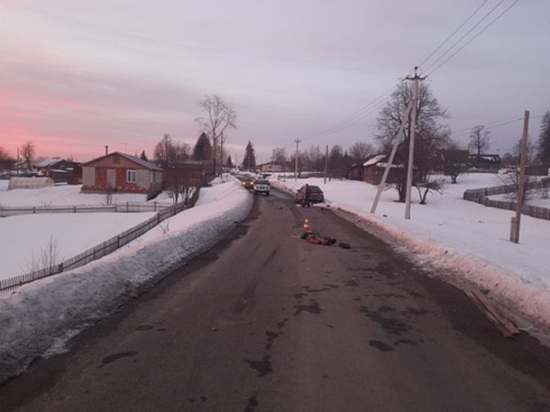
[143, 156]
[249, 160]
[229, 162]
[543, 144]
[203, 148]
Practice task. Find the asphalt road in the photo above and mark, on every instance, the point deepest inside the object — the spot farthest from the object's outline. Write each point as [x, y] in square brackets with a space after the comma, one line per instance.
[268, 322]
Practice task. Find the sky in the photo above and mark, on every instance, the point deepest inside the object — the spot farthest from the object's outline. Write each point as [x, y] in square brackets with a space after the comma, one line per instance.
[79, 75]
[460, 242]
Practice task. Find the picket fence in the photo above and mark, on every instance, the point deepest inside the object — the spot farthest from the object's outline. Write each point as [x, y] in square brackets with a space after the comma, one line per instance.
[102, 249]
[481, 196]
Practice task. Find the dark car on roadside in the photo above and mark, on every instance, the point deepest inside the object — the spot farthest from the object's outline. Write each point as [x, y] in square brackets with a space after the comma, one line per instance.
[316, 195]
[247, 182]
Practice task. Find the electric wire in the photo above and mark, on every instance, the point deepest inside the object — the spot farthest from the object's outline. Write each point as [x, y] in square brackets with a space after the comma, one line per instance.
[464, 35]
[353, 118]
[453, 33]
[473, 38]
[375, 104]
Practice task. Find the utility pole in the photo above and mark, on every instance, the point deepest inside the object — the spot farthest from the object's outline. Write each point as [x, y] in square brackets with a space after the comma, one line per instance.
[514, 229]
[389, 163]
[297, 141]
[326, 164]
[410, 165]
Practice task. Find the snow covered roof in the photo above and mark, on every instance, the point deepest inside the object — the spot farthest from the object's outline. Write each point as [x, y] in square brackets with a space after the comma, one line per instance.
[49, 162]
[143, 163]
[375, 159]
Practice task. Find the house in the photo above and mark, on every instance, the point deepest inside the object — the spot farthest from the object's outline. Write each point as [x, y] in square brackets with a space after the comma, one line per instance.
[191, 173]
[60, 170]
[120, 172]
[270, 167]
[373, 170]
[485, 162]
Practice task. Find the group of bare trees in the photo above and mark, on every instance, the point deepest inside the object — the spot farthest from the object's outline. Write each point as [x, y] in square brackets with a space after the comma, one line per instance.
[26, 152]
[218, 116]
[314, 159]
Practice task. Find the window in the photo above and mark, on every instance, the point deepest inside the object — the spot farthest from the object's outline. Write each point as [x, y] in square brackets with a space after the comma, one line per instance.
[131, 176]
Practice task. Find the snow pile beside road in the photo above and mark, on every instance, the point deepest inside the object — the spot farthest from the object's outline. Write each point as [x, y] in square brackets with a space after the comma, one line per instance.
[40, 317]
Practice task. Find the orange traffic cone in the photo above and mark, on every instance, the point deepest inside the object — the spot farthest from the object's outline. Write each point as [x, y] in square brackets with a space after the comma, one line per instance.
[306, 228]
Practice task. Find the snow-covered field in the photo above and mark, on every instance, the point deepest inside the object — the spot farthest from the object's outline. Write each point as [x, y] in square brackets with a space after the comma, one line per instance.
[462, 242]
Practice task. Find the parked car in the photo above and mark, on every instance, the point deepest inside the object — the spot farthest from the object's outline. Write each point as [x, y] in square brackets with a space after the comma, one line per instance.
[262, 186]
[315, 195]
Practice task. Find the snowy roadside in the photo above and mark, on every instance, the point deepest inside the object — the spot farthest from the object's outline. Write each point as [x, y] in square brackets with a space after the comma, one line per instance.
[459, 242]
[37, 319]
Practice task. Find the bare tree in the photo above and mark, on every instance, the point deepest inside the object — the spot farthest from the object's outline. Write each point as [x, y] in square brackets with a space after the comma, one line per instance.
[167, 152]
[336, 162]
[431, 136]
[479, 139]
[218, 116]
[316, 159]
[6, 161]
[360, 151]
[429, 186]
[530, 152]
[279, 156]
[28, 151]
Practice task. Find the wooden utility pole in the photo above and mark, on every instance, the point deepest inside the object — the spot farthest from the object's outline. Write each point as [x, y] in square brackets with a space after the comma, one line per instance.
[326, 164]
[410, 165]
[389, 163]
[514, 229]
[297, 141]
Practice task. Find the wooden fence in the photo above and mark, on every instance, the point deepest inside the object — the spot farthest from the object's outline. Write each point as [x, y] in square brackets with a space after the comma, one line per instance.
[126, 207]
[481, 196]
[100, 250]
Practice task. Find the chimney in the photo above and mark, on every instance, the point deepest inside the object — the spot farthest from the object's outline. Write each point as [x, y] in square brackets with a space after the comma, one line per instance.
[106, 150]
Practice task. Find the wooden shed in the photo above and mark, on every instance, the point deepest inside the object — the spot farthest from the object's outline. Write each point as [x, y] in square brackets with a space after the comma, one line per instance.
[120, 172]
[373, 170]
[191, 173]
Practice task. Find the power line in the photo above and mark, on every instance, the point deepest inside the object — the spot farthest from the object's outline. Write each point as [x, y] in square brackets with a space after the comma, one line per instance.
[453, 33]
[374, 105]
[353, 118]
[473, 38]
[466, 132]
[464, 35]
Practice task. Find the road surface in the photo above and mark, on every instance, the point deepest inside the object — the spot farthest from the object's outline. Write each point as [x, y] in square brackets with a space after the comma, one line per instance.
[266, 321]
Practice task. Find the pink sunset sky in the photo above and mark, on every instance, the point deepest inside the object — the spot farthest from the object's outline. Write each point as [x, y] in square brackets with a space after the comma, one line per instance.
[77, 75]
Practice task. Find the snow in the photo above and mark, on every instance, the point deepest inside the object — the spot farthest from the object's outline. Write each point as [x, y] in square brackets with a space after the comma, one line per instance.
[463, 243]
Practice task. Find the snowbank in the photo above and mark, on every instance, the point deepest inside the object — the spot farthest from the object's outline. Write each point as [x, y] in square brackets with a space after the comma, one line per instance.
[40, 317]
